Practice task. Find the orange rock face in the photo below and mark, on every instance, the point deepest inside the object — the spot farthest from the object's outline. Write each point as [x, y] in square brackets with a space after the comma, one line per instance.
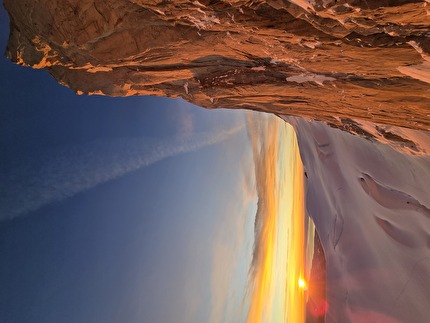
[327, 60]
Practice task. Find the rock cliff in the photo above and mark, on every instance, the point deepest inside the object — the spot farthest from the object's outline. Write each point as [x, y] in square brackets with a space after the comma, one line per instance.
[328, 60]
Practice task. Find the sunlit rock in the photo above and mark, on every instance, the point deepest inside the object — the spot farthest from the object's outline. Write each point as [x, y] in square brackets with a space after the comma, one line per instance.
[326, 60]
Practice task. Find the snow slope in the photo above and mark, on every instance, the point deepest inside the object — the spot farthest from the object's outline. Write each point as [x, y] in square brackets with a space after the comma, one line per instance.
[371, 207]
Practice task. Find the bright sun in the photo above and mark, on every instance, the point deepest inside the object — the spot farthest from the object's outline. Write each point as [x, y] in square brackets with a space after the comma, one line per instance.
[302, 283]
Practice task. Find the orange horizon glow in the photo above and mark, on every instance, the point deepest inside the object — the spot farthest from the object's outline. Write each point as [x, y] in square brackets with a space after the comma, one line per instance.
[277, 294]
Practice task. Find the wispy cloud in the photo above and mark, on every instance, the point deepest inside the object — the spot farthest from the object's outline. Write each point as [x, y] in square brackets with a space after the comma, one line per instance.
[72, 170]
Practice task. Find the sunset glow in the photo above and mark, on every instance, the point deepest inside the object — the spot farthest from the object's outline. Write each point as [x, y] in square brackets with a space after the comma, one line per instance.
[302, 283]
[277, 280]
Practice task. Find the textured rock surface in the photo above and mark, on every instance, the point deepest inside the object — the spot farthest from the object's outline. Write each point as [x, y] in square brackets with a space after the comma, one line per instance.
[328, 60]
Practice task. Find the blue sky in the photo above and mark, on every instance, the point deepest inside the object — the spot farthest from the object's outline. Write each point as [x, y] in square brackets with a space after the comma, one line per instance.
[167, 238]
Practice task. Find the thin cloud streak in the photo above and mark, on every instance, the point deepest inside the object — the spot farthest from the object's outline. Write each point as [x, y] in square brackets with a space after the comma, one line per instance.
[76, 169]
